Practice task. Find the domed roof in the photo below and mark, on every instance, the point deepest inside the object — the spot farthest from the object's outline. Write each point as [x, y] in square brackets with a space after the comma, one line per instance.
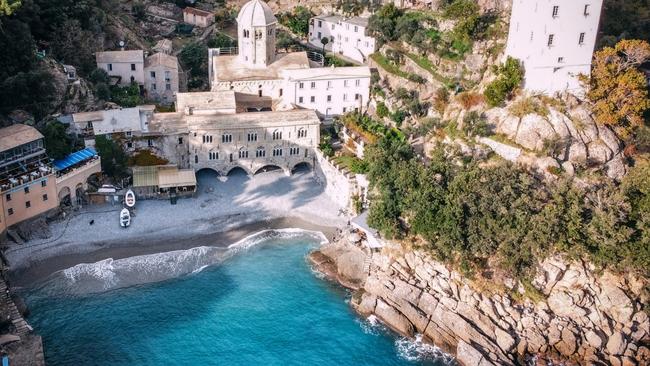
[255, 13]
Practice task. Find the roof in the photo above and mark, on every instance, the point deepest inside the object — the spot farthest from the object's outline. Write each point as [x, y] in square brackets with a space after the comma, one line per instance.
[176, 178]
[328, 73]
[198, 12]
[163, 176]
[231, 68]
[132, 56]
[213, 102]
[161, 59]
[255, 13]
[334, 18]
[16, 135]
[75, 158]
[254, 119]
[164, 45]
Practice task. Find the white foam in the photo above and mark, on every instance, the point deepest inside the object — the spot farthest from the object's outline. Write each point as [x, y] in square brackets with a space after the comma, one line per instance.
[417, 350]
[371, 325]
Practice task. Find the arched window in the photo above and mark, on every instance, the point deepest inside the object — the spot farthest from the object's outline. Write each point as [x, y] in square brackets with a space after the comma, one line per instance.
[252, 136]
[246, 33]
[277, 135]
[243, 153]
[294, 151]
[277, 151]
[302, 133]
[260, 152]
[196, 159]
[226, 138]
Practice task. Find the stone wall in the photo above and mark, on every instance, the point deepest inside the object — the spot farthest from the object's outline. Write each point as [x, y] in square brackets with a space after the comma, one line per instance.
[582, 317]
[339, 186]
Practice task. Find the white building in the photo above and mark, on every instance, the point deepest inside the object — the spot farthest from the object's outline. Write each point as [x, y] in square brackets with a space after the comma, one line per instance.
[158, 74]
[555, 41]
[128, 66]
[272, 81]
[347, 36]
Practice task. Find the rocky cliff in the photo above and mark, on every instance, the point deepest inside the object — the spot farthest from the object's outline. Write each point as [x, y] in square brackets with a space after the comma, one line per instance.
[579, 317]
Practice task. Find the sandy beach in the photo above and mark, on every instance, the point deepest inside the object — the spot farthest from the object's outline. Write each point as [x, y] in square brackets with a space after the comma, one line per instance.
[223, 211]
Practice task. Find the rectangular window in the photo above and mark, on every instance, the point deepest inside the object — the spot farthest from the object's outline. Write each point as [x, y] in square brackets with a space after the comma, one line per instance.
[168, 86]
[313, 85]
[128, 133]
[560, 60]
[45, 197]
[180, 141]
[320, 36]
[329, 84]
[581, 39]
[550, 39]
[332, 26]
[8, 196]
[129, 145]
[345, 97]
[357, 96]
[356, 29]
[26, 189]
[586, 12]
[301, 85]
[345, 83]
[132, 67]
[556, 10]
[149, 142]
[110, 67]
[44, 183]
[357, 82]
[312, 99]
[153, 86]
[153, 74]
[10, 211]
[329, 98]
[168, 76]
[300, 100]
[320, 24]
[28, 204]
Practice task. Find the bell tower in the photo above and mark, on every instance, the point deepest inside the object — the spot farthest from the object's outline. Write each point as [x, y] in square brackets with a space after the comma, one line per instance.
[256, 27]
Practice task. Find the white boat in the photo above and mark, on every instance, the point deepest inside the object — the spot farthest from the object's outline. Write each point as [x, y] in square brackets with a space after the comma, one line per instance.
[129, 199]
[125, 218]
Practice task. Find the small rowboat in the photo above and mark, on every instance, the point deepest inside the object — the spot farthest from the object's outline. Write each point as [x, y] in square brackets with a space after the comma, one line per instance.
[125, 218]
[129, 199]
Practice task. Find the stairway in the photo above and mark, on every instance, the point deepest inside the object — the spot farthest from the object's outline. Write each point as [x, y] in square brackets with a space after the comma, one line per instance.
[366, 264]
[22, 328]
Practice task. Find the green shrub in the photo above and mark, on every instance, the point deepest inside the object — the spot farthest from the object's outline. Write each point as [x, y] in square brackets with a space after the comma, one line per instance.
[509, 78]
[382, 110]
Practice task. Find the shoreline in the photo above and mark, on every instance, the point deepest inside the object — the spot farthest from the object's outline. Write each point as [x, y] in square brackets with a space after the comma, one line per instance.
[32, 271]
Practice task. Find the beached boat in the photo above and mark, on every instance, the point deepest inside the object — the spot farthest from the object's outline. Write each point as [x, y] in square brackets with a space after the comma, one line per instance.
[129, 199]
[125, 218]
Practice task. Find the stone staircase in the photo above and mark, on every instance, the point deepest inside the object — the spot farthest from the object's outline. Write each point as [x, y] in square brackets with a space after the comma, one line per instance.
[22, 328]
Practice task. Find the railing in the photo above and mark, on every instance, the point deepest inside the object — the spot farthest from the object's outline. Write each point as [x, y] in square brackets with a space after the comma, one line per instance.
[92, 163]
[226, 51]
[30, 174]
[316, 57]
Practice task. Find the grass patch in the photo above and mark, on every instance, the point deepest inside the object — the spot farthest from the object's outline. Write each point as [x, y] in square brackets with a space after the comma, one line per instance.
[526, 106]
[426, 64]
[352, 163]
[385, 64]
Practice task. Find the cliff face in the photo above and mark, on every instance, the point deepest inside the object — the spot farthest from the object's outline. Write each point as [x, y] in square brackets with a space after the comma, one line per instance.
[582, 318]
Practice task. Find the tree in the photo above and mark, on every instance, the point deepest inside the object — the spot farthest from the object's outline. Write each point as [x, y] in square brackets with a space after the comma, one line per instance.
[74, 45]
[8, 6]
[382, 24]
[98, 76]
[324, 41]
[195, 57]
[509, 78]
[138, 10]
[284, 41]
[298, 20]
[57, 141]
[32, 91]
[18, 46]
[114, 159]
[617, 88]
[221, 40]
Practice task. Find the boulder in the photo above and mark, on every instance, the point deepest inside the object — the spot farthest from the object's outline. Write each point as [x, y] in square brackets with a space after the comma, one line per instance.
[577, 152]
[467, 355]
[616, 344]
[559, 123]
[614, 301]
[562, 305]
[594, 340]
[505, 341]
[509, 127]
[568, 344]
[428, 303]
[599, 152]
[394, 318]
[609, 138]
[367, 304]
[616, 168]
[533, 130]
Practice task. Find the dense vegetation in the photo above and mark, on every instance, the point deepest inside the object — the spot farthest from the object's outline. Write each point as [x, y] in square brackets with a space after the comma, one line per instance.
[468, 212]
[624, 19]
[509, 78]
[297, 20]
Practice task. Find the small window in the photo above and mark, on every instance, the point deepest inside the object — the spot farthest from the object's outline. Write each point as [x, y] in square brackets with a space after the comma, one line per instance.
[45, 197]
[153, 86]
[345, 97]
[44, 183]
[168, 86]
[259, 93]
[581, 39]
[226, 138]
[357, 82]
[312, 99]
[180, 141]
[300, 100]
[26, 189]
[10, 211]
[302, 133]
[260, 152]
[586, 12]
[357, 96]
[345, 83]
[277, 151]
[129, 145]
[110, 67]
[277, 135]
[132, 67]
[280, 91]
[243, 154]
[196, 159]
[329, 84]
[153, 74]
[556, 11]
[356, 29]
[301, 85]
[560, 60]
[128, 133]
[213, 155]
[313, 85]
[252, 136]
[28, 204]
[329, 98]
[149, 142]
[8, 196]
[550, 39]
[320, 24]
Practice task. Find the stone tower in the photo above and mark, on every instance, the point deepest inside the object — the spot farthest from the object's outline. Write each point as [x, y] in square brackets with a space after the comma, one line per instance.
[256, 34]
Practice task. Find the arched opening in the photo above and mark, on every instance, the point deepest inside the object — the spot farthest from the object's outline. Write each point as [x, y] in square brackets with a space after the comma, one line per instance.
[237, 171]
[268, 168]
[207, 179]
[80, 194]
[64, 196]
[301, 168]
[94, 181]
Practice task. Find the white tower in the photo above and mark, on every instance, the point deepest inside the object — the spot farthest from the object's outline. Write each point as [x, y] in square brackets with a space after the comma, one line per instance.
[256, 29]
[555, 41]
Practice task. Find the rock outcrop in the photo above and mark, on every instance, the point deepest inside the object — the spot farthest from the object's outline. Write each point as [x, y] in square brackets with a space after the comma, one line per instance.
[580, 317]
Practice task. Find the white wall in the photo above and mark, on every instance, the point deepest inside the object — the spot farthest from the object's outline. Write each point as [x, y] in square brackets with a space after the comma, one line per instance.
[123, 69]
[164, 76]
[554, 68]
[347, 39]
[331, 95]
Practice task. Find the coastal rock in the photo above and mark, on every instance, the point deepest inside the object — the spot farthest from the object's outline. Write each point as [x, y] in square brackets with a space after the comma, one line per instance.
[594, 340]
[561, 304]
[398, 321]
[505, 341]
[616, 344]
[533, 130]
[469, 356]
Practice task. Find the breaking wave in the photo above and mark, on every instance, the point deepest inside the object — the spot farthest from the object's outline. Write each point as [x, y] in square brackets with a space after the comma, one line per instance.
[417, 350]
[110, 274]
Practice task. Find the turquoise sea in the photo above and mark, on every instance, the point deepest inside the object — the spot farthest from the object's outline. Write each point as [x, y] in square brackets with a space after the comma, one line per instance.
[257, 303]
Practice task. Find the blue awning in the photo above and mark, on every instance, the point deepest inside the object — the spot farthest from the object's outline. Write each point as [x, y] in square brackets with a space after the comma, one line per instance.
[75, 158]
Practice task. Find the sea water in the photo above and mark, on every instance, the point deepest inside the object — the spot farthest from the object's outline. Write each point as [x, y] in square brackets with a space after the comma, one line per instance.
[256, 303]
